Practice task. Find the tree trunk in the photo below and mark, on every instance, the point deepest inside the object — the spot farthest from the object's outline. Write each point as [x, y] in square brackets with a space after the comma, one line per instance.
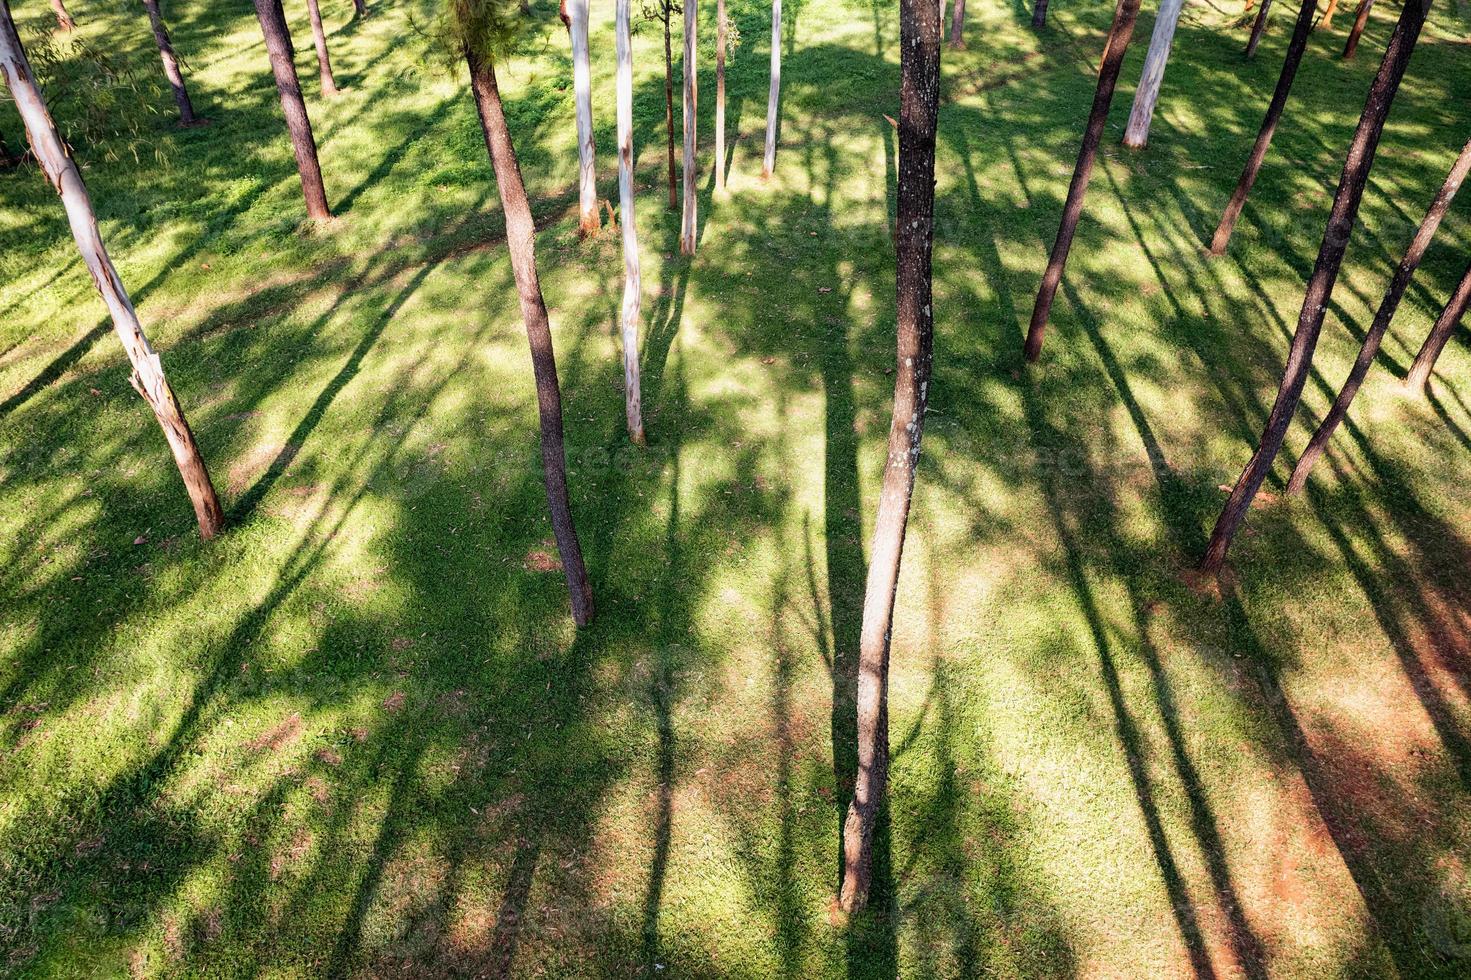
[1039, 14]
[1295, 48]
[63, 19]
[1445, 325]
[957, 26]
[669, 109]
[689, 219]
[919, 99]
[632, 287]
[773, 96]
[720, 96]
[298, 124]
[1325, 271]
[148, 377]
[1372, 340]
[1246, 7]
[286, 37]
[360, 8]
[521, 241]
[1327, 22]
[1257, 29]
[170, 63]
[1361, 20]
[319, 38]
[1136, 134]
[587, 173]
[1119, 34]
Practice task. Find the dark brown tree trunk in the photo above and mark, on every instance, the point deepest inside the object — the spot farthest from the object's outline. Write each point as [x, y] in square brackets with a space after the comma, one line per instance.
[1258, 28]
[285, 29]
[1039, 13]
[1295, 48]
[1125, 13]
[957, 26]
[170, 63]
[63, 19]
[360, 8]
[1361, 20]
[319, 38]
[669, 108]
[148, 377]
[919, 99]
[521, 241]
[1372, 340]
[720, 96]
[1445, 325]
[1325, 272]
[293, 106]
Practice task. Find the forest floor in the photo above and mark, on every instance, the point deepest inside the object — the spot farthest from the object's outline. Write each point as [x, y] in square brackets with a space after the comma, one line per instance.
[358, 734]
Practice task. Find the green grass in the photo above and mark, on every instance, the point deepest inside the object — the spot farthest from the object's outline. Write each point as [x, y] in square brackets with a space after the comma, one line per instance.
[358, 733]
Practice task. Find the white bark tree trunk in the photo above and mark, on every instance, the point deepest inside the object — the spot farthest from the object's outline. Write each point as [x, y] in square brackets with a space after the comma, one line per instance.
[587, 175]
[691, 97]
[1136, 134]
[768, 162]
[632, 287]
[148, 377]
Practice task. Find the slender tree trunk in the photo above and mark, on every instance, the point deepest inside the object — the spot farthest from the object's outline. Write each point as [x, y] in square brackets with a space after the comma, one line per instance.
[669, 109]
[1246, 7]
[63, 19]
[286, 37]
[957, 26]
[1295, 48]
[720, 96]
[687, 236]
[773, 96]
[1325, 271]
[293, 106]
[1445, 325]
[1372, 340]
[360, 8]
[148, 377]
[170, 63]
[1136, 134]
[919, 99]
[521, 241]
[1039, 14]
[1119, 34]
[1361, 20]
[632, 287]
[319, 38]
[1257, 29]
[1327, 22]
[587, 173]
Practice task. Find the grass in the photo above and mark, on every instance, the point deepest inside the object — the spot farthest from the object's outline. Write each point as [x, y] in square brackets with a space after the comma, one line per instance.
[357, 735]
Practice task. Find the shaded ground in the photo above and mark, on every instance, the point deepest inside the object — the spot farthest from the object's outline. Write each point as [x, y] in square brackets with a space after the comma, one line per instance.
[357, 735]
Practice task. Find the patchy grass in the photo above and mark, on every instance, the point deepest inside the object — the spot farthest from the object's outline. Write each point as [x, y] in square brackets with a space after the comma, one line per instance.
[357, 735]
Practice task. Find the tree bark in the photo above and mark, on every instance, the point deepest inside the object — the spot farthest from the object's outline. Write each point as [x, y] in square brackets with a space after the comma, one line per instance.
[773, 96]
[293, 106]
[319, 38]
[1039, 14]
[687, 236]
[1361, 20]
[1295, 48]
[521, 241]
[919, 99]
[1445, 325]
[720, 96]
[64, 20]
[669, 105]
[170, 63]
[1375, 337]
[587, 173]
[1119, 34]
[957, 26]
[1257, 29]
[147, 377]
[1327, 22]
[632, 286]
[360, 8]
[1136, 133]
[1325, 271]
